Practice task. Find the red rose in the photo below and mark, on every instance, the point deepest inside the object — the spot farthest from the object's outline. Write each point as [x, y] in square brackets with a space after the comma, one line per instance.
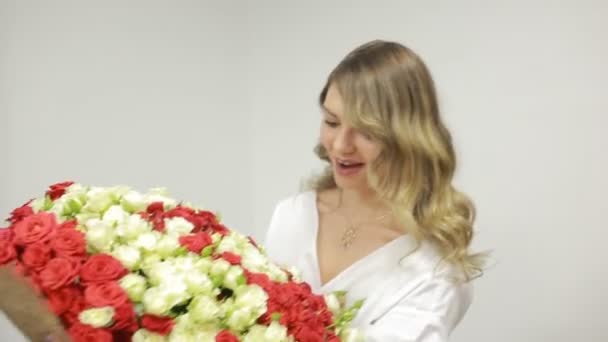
[225, 336]
[105, 294]
[7, 252]
[180, 211]
[309, 333]
[203, 220]
[35, 256]
[61, 300]
[155, 208]
[78, 305]
[71, 224]
[57, 273]
[34, 228]
[196, 242]
[232, 258]
[125, 318]
[68, 242]
[57, 190]
[260, 279]
[22, 212]
[86, 333]
[6, 234]
[221, 229]
[158, 324]
[100, 268]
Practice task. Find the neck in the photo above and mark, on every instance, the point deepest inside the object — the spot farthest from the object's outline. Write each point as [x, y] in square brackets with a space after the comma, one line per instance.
[357, 199]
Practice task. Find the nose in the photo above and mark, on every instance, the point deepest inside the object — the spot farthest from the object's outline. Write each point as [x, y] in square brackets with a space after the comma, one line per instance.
[343, 142]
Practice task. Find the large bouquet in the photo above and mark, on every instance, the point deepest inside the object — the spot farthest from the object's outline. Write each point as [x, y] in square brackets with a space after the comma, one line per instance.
[118, 265]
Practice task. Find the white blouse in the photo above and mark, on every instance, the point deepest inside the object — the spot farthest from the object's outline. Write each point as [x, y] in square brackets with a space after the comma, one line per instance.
[407, 298]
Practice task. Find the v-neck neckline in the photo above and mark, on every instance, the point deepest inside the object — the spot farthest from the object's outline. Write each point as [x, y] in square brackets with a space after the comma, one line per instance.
[352, 266]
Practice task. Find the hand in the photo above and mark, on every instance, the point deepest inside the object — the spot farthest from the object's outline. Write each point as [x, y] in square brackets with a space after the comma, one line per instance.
[27, 310]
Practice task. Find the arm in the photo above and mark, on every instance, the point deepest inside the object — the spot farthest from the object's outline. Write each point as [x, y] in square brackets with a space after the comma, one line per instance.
[427, 315]
[26, 309]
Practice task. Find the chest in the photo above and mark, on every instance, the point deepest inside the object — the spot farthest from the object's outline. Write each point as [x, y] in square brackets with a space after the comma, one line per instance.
[341, 246]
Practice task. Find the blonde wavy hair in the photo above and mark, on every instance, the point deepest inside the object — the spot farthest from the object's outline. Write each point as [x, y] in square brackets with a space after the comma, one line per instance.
[389, 94]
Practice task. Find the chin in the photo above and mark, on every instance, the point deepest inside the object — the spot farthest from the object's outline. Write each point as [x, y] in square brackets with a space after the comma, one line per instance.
[349, 184]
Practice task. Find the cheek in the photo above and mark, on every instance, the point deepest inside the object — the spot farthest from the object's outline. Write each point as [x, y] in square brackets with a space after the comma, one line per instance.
[369, 150]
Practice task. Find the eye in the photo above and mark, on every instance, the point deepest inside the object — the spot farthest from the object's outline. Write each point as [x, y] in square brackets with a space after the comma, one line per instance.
[366, 136]
[331, 124]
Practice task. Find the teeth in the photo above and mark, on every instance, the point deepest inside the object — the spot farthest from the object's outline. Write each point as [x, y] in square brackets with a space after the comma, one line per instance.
[345, 163]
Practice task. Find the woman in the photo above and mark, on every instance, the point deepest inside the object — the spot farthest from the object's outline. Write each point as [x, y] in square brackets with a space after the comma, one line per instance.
[384, 221]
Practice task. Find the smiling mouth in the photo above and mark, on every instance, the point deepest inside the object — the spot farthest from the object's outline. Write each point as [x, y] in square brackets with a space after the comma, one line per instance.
[347, 167]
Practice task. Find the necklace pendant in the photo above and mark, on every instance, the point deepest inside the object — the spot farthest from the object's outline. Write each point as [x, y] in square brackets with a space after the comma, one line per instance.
[348, 237]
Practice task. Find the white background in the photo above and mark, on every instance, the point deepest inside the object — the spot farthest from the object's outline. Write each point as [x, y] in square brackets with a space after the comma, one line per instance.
[216, 101]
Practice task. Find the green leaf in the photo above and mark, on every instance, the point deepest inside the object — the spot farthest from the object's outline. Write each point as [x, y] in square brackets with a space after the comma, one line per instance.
[207, 251]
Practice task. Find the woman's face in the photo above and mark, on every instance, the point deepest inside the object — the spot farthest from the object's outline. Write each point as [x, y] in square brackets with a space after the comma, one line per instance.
[351, 152]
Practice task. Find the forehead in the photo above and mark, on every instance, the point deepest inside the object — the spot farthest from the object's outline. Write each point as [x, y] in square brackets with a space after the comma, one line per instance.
[333, 101]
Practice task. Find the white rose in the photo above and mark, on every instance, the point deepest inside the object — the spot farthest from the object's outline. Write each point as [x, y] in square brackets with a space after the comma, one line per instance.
[133, 202]
[76, 189]
[219, 268]
[143, 335]
[176, 290]
[204, 309]
[216, 237]
[38, 204]
[203, 264]
[253, 260]
[241, 319]
[229, 243]
[115, 215]
[160, 272]
[167, 246]
[178, 226]
[99, 235]
[198, 283]
[160, 195]
[98, 200]
[148, 262]
[86, 216]
[128, 256]
[251, 296]
[275, 332]
[156, 302]
[160, 300]
[185, 263]
[134, 285]
[333, 303]
[182, 336]
[256, 334]
[133, 227]
[234, 278]
[97, 317]
[147, 241]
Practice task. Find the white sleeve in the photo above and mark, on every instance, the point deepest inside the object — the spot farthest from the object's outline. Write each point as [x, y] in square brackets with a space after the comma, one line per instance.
[427, 315]
[276, 240]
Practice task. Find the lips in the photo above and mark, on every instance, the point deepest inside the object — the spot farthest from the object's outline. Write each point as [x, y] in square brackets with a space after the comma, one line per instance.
[346, 167]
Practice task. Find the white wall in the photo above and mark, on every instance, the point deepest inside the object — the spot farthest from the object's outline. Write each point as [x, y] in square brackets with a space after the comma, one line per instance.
[145, 95]
[521, 84]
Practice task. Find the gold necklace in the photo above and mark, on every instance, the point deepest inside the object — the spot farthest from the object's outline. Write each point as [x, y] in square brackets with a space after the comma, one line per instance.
[349, 234]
